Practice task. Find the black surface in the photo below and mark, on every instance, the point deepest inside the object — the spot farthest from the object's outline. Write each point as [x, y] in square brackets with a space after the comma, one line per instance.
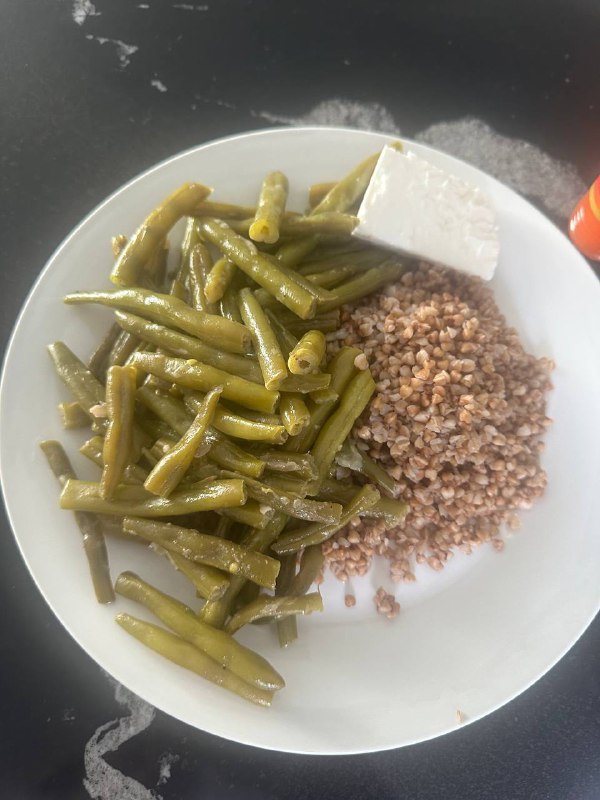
[73, 127]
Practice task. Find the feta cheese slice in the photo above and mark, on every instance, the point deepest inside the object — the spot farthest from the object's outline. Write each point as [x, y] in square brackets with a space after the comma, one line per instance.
[417, 208]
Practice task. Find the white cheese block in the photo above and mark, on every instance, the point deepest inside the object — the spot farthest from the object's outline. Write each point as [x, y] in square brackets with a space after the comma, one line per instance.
[419, 209]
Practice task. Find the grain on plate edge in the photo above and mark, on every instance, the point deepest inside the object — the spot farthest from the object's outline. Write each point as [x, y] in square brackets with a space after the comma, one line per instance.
[458, 420]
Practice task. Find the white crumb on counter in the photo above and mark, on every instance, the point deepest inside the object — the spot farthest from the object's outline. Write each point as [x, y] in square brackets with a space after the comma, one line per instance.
[158, 85]
[415, 207]
[82, 9]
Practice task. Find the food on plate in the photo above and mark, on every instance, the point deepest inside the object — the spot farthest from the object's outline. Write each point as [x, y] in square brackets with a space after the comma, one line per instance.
[275, 396]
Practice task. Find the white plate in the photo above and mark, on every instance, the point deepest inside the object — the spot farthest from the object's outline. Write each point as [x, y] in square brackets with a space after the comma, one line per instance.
[470, 638]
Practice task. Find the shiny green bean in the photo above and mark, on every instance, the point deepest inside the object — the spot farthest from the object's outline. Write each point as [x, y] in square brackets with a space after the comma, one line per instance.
[326, 222]
[301, 464]
[85, 496]
[266, 346]
[200, 266]
[133, 474]
[274, 608]
[347, 191]
[390, 510]
[98, 361]
[362, 285]
[253, 514]
[238, 426]
[118, 440]
[94, 545]
[270, 208]
[169, 311]
[192, 374]
[351, 457]
[219, 279]
[295, 251]
[186, 655]
[306, 383]
[287, 341]
[72, 415]
[307, 355]
[210, 583]
[230, 557]
[85, 387]
[141, 246]
[294, 413]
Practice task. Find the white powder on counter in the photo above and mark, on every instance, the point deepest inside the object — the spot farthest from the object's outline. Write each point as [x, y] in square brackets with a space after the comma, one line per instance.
[124, 50]
[339, 112]
[82, 9]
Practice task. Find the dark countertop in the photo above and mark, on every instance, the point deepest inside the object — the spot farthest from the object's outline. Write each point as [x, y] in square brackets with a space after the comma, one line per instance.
[78, 121]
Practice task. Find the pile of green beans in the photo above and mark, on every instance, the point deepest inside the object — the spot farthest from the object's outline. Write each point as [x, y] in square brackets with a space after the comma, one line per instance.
[217, 420]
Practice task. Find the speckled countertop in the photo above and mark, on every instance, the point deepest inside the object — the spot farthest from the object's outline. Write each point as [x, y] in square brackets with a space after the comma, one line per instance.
[93, 93]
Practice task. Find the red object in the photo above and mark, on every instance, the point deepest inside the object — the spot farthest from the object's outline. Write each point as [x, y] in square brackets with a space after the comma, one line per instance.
[584, 225]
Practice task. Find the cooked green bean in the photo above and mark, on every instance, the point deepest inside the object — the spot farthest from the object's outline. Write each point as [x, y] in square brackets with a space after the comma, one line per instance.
[190, 240]
[153, 230]
[295, 251]
[288, 483]
[362, 285]
[192, 374]
[301, 464]
[184, 346]
[123, 347]
[253, 514]
[317, 192]
[287, 629]
[294, 413]
[316, 534]
[334, 432]
[169, 311]
[307, 355]
[390, 510]
[326, 323]
[73, 416]
[85, 387]
[274, 608]
[133, 474]
[210, 583]
[341, 368]
[98, 361]
[287, 341]
[245, 255]
[322, 396]
[206, 549]
[216, 612]
[239, 427]
[199, 267]
[270, 208]
[186, 655]
[357, 259]
[358, 461]
[329, 222]
[306, 383]
[266, 346]
[212, 208]
[85, 496]
[219, 279]
[167, 408]
[225, 650]
[330, 278]
[346, 191]
[311, 565]
[94, 545]
[229, 456]
[228, 305]
[118, 440]
[171, 468]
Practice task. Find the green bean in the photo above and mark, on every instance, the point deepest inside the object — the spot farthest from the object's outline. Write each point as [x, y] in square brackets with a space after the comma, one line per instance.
[357, 460]
[156, 226]
[302, 464]
[390, 510]
[270, 208]
[206, 549]
[290, 504]
[274, 608]
[358, 259]
[346, 191]
[228, 305]
[316, 534]
[334, 432]
[73, 416]
[322, 396]
[167, 408]
[98, 361]
[219, 279]
[210, 583]
[253, 514]
[85, 387]
[307, 355]
[311, 565]
[123, 347]
[94, 545]
[329, 222]
[229, 456]
[171, 468]
[85, 496]
[341, 368]
[190, 240]
[92, 449]
[293, 252]
[332, 277]
[192, 374]
[362, 285]
[186, 655]
[170, 311]
[212, 208]
[305, 384]
[268, 301]
[216, 612]
[220, 646]
[266, 346]
[200, 265]
[118, 440]
[154, 272]
[184, 346]
[287, 341]
[294, 413]
[326, 323]
[239, 427]
[287, 483]
[317, 192]
[179, 290]
[259, 268]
